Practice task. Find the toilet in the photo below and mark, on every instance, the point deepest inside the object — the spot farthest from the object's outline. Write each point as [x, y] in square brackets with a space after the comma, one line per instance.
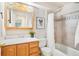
[45, 51]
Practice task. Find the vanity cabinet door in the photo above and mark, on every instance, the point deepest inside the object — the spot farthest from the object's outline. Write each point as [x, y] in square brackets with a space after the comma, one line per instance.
[0, 51]
[34, 48]
[9, 50]
[22, 50]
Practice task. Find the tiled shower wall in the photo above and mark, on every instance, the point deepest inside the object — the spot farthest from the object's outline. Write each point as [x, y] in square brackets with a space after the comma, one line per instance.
[58, 31]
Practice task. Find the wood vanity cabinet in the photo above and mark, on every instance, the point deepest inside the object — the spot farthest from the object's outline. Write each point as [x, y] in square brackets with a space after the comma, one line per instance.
[23, 49]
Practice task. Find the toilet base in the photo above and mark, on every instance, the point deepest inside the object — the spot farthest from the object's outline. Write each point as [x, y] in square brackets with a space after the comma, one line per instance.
[46, 51]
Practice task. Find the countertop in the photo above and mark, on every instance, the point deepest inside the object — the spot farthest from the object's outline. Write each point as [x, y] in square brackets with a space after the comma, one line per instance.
[17, 41]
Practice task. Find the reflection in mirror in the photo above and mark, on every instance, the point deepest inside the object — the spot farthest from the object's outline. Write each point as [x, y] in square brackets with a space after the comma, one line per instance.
[19, 15]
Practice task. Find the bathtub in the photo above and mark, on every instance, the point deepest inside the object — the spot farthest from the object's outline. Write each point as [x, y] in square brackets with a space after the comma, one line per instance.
[62, 50]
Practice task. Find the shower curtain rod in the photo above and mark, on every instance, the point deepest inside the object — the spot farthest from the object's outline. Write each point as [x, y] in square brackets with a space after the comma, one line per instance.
[71, 12]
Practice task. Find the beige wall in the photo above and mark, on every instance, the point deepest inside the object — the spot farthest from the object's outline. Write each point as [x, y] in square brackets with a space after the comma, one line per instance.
[1, 20]
[40, 13]
[21, 33]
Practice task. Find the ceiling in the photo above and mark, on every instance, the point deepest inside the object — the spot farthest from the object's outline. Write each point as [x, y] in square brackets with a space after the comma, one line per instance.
[52, 5]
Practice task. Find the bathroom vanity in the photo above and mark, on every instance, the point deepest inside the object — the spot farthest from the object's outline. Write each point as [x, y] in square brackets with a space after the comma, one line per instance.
[19, 16]
[26, 47]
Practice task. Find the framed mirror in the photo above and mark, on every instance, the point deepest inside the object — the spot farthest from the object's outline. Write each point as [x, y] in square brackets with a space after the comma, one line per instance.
[19, 16]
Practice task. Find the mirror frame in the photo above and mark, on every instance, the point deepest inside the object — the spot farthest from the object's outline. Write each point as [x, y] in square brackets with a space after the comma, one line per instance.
[5, 20]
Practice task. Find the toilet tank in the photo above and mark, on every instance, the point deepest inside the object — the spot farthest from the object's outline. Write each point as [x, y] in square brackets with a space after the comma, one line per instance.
[42, 42]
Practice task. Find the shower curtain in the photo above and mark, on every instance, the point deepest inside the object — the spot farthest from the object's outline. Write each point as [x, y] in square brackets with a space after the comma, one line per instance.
[50, 32]
[69, 30]
[77, 37]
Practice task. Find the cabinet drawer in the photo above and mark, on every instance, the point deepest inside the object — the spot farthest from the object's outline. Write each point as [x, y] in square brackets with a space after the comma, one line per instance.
[34, 44]
[34, 50]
